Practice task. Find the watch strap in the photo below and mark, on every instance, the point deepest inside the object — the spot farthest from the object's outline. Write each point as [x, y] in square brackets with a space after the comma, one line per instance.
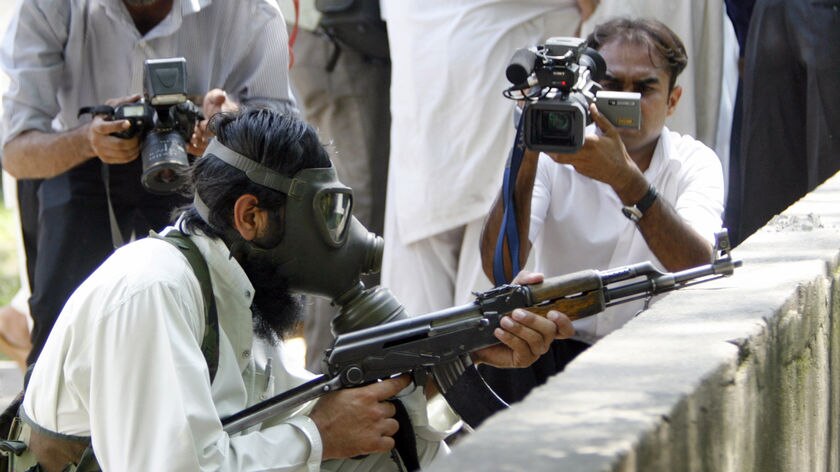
[635, 212]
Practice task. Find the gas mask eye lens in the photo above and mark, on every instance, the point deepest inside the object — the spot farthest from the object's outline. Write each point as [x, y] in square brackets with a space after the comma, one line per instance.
[333, 208]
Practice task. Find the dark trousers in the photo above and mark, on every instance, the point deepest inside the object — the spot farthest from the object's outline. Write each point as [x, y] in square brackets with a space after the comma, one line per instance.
[74, 233]
[789, 140]
[512, 385]
[27, 195]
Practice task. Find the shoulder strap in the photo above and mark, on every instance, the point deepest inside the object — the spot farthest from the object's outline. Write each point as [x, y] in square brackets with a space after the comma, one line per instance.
[210, 343]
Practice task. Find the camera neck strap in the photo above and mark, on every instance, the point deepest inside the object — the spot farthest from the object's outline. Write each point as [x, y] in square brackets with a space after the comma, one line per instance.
[509, 230]
[116, 234]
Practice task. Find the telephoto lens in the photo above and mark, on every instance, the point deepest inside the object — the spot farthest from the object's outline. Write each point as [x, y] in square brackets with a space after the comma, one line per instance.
[165, 162]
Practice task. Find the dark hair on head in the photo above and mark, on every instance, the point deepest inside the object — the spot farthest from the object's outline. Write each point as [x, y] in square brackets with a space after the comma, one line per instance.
[278, 140]
[660, 40]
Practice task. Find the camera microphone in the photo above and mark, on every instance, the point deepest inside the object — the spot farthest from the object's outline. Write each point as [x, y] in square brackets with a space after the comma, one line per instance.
[521, 65]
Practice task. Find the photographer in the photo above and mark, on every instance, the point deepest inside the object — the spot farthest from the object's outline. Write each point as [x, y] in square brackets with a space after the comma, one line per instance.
[62, 55]
[626, 196]
[135, 378]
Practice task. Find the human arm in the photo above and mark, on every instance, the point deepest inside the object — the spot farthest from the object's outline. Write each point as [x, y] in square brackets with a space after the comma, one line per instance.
[587, 8]
[151, 402]
[604, 158]
[33, 57]
[214, 101]
[357, 421]
[35, 154]
[258, 76]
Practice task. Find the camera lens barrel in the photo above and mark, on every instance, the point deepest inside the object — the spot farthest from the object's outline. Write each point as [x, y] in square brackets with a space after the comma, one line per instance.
[164, 157]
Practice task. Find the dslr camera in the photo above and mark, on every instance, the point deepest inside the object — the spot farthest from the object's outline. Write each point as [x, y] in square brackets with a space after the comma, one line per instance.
[558, 80]
[164, 119]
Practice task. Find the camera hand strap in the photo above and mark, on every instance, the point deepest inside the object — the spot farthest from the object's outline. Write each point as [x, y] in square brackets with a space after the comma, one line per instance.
[116, 233]
[508, 229]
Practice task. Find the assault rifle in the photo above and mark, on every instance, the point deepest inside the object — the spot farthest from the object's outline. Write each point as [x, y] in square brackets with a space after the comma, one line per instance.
[439, 343]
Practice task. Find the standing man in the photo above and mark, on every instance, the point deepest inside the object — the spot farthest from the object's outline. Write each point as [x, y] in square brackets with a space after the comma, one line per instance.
[627, 196]
[790, 133]
[449, 134]
[62, 55]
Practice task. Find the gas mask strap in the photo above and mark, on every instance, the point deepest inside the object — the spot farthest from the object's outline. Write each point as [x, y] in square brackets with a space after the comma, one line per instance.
[201, 208]
[256, 172]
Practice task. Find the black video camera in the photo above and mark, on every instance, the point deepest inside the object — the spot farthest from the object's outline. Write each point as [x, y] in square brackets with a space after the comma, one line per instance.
[558, 80]
[164, 119]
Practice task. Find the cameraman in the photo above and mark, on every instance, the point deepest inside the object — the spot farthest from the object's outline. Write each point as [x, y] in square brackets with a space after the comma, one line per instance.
[126, 367]
[62, 55]
[569, 206]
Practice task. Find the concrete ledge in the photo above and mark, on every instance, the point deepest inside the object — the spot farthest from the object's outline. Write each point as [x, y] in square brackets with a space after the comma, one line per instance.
[733, 375]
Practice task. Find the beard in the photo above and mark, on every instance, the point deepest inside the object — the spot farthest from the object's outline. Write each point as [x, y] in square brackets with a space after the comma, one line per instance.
[276, 311]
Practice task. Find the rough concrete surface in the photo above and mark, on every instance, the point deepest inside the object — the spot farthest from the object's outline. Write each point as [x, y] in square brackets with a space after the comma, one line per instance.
[734, 375]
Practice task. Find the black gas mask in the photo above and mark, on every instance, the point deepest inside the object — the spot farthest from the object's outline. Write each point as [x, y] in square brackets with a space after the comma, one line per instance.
[323, 250]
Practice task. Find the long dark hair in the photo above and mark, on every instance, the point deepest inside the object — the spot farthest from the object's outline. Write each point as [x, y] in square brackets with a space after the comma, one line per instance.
[278, 140]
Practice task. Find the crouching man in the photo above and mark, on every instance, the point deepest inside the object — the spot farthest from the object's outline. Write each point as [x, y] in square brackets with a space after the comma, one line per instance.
[140, 370]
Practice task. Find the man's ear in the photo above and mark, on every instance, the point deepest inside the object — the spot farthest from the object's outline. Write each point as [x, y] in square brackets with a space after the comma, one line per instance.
[674, 98]
[249, 219]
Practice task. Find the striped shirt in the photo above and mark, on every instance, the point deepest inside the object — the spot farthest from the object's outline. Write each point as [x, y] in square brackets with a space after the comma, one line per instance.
[61, 55]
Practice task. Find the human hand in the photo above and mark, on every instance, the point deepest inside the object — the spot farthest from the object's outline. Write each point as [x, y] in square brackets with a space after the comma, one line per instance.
[215, 101]
[112, 149]
[357, 421]
[525, 336]
[603, 156]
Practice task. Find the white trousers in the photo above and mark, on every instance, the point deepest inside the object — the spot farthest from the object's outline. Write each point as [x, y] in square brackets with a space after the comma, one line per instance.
[437, 272]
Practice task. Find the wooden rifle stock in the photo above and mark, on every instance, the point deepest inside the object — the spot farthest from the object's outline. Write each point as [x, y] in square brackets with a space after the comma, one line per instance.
[576, 295]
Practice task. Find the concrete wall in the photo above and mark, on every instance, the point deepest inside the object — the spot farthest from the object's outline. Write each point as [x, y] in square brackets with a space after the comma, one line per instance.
[739, 374]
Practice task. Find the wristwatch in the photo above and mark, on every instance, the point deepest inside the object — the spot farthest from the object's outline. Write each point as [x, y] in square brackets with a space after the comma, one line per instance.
[635, 212]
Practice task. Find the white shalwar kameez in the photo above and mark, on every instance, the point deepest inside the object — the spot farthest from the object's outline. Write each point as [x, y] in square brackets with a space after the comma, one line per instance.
[124, 366]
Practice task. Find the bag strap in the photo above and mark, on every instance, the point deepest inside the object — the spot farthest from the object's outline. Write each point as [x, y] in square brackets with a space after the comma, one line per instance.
[210, 343]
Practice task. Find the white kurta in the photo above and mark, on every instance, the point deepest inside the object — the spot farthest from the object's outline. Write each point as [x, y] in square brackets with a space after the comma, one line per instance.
[124, 365]
[577, 224]
[451, 126]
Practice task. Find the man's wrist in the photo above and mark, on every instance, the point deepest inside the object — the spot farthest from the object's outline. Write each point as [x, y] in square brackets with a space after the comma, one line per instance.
[633, 190]
[81, 140]
[636, 211]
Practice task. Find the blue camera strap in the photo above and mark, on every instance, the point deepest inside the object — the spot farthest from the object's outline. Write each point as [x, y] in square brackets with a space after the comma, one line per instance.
[508, 229]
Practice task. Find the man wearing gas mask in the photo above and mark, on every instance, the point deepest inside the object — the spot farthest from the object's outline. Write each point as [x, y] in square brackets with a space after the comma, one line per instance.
[126, 364]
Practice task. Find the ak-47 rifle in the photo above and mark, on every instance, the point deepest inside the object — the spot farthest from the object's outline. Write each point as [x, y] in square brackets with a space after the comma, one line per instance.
[439, 343]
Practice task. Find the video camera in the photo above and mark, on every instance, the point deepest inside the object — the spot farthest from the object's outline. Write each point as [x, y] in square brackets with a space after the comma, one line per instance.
[164, 119]
[558, 80]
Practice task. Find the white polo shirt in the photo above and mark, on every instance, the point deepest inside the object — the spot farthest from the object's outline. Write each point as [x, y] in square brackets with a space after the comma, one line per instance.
[577, 224]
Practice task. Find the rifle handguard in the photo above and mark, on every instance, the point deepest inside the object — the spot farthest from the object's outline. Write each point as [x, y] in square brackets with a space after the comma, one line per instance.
[564, 286]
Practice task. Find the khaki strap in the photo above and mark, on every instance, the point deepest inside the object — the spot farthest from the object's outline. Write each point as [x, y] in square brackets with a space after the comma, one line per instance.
[55, 453]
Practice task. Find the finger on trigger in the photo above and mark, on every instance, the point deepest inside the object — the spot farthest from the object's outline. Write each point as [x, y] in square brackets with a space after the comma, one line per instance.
[390, 387]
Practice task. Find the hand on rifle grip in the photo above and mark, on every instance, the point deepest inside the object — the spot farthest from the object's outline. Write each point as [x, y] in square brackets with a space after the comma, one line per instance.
[525, 336]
